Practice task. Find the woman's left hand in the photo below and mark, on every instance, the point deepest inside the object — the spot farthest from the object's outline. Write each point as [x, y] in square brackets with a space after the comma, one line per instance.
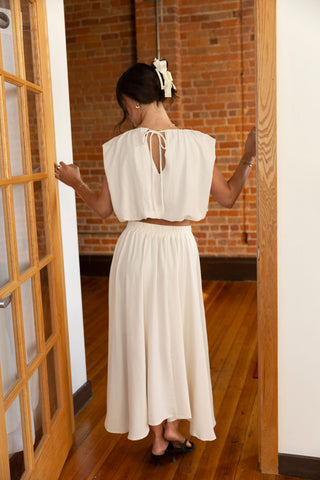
[249, 152]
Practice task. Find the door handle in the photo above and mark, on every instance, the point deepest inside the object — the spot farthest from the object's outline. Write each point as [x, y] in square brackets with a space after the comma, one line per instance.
[5, 302]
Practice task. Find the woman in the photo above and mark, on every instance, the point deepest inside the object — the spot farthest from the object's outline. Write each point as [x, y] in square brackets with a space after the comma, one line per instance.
[158, 179]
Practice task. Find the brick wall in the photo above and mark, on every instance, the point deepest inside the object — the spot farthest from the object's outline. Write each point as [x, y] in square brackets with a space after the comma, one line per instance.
[100, 46]
[210, 49]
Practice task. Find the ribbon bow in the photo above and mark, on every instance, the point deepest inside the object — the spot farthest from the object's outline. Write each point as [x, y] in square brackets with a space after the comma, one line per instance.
[165, 77]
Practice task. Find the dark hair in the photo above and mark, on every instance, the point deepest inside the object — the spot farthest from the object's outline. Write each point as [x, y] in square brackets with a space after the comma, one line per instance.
[141, 83]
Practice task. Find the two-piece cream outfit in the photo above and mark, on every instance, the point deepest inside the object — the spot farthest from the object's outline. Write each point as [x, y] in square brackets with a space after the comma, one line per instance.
[158, 363]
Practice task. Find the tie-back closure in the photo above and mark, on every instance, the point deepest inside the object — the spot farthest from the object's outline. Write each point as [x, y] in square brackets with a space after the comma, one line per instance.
[148, 136]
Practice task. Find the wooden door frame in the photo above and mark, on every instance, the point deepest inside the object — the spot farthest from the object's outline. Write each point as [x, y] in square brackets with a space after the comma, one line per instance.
[266, 108]
[57, 425]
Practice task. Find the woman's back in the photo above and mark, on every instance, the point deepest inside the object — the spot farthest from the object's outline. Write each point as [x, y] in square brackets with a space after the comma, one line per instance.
[163, 174]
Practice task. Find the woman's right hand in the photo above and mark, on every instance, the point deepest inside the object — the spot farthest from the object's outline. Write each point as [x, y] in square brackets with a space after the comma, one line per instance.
[68, 174]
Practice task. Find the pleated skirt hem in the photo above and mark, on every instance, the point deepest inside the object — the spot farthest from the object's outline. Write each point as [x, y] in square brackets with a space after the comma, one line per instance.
[145, 432]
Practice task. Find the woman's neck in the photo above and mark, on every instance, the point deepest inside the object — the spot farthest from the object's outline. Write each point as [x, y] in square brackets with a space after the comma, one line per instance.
[155, 117]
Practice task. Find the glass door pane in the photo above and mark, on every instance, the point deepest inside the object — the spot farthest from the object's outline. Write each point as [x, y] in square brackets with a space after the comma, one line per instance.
[13, 122]
[28, 320]
[35, 131]
[7, 37]
[35, 409]
[15, 441]
[52, 379]
[20, 211]
[4, 275]
[29, 41]
[46, 301]
[39, 189]
[8, 362]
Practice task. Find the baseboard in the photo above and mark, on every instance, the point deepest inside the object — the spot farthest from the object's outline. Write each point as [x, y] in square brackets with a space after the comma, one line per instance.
[229, 268]
[95, 265]
[82, 396]
[212, 268]
[299, 466]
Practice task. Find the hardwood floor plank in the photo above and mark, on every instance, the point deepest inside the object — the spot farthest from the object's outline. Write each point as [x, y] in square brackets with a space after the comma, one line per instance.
[210, 291]
[124, 460]
[230, 372]
[222, 327]
[249, 463]
[285, 477]
[265, 476]
[233, 446]
[228, 345]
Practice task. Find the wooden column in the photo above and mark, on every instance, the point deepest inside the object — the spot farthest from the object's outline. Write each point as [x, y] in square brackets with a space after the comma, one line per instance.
[266, 82]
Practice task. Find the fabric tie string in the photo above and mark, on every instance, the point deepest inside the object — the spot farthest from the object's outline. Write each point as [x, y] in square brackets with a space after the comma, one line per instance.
[148, 135]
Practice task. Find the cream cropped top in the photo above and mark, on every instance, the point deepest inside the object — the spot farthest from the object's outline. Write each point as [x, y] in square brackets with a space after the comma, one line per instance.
[178, 191]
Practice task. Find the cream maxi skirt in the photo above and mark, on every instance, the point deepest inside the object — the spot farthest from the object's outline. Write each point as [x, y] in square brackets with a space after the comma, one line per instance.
[158, 364]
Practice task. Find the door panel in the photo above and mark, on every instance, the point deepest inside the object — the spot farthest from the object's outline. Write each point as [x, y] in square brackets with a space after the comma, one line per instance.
[36, 417]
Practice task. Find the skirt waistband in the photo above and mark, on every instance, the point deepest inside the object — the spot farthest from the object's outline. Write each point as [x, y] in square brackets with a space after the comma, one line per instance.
[156, 228]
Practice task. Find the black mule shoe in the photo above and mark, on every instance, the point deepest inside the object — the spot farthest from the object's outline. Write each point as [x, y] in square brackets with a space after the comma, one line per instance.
[168, 451]
[182, 447]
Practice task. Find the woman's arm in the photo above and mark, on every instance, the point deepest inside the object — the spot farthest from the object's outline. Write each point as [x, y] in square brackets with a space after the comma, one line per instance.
[226, 192]
[70, 175]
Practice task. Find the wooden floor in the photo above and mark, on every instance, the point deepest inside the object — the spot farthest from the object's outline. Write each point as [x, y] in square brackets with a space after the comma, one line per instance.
[231, 310]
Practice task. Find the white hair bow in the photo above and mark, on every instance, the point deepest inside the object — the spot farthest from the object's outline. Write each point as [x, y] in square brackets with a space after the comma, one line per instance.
[165, 77]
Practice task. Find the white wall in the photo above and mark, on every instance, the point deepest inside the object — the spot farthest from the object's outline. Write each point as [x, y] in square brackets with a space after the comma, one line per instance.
[298, 73]
[59, 74]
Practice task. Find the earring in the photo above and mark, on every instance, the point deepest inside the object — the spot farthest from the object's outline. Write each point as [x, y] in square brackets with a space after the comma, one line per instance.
[138, 106]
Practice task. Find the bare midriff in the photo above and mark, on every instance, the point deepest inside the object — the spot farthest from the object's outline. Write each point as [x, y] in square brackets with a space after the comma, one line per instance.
[159, 221]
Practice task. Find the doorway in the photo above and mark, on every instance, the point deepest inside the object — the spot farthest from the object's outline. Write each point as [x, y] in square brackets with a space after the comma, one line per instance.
[103, 239]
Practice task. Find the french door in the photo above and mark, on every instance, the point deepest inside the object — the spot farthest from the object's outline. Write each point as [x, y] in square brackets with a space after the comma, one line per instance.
[35, 394]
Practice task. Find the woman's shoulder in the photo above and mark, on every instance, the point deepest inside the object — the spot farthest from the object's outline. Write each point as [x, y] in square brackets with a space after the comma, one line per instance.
[196, 136]
[120, 139]
[201, 134]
